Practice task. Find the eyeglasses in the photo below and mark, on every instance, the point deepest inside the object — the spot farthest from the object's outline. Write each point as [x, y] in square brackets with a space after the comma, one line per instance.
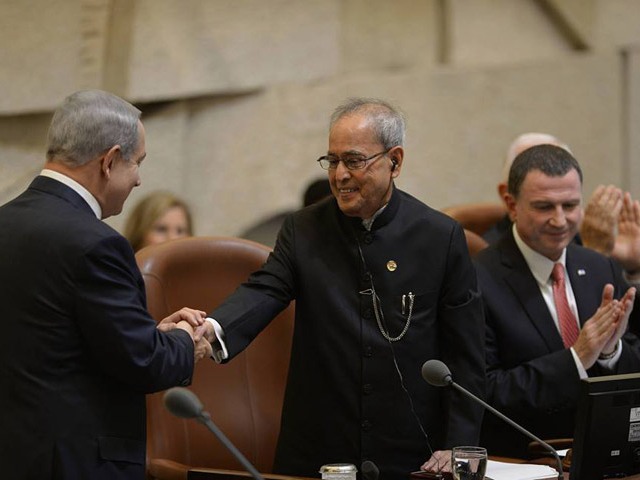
[352, 162]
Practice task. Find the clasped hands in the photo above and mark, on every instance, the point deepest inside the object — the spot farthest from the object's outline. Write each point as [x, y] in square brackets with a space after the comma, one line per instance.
[193, 322]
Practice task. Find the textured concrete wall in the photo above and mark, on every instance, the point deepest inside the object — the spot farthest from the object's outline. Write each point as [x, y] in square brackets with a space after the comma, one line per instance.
[236, 94]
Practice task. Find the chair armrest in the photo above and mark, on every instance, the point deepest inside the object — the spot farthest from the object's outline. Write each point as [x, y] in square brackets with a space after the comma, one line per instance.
[163, 469]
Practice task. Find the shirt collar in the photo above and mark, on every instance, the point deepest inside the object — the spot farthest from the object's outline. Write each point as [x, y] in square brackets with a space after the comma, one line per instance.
[539, 265]
[368, 222]
[76, 187]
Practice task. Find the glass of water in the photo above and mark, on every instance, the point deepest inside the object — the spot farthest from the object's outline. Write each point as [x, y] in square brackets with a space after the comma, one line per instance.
[468, 463]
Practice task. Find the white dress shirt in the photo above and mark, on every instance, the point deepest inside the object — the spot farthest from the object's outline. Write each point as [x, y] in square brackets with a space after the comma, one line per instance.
[541, 268]
[76, 187]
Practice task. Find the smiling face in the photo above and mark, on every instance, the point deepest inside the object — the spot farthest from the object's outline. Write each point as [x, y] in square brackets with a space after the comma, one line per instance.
[547, 211]
[124, 177]
[360, 193]
[171, 225]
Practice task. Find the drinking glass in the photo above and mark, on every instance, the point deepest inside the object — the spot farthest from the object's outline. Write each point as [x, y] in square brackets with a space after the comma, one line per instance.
[468, 463]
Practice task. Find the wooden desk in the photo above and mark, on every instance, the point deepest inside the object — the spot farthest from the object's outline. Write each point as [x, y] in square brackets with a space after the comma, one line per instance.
[218, 474]
[214, 474]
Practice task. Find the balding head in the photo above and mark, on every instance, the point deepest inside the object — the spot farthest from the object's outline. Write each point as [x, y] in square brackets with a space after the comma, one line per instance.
[528, 140]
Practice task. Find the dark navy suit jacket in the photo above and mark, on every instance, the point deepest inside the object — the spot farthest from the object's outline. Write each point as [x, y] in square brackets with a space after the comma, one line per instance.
[531, 377]
[78, 350]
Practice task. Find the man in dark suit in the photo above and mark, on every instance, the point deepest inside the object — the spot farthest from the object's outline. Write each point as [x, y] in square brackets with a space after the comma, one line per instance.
[382, 283]
[543, 335]
[78, 349]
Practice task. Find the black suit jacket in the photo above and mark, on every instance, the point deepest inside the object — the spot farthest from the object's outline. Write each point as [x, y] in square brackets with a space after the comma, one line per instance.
[531, 377]
[345, 401]
[78, 350]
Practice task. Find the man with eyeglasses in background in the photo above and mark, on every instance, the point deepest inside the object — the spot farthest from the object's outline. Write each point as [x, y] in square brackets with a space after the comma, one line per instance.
[382, 283]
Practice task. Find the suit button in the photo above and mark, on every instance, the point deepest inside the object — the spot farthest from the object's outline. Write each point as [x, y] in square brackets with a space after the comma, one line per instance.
[368, 313]
[368, 238]
[366, 278]
[366, 426]
[368, 352]
[367, 388]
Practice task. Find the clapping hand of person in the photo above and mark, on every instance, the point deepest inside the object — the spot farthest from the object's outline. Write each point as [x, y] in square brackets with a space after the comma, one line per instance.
[599, 330]
[625, 308]
[626, 250]
[598, 228]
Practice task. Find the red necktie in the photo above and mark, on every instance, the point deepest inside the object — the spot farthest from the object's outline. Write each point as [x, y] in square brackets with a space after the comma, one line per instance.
[566, 318]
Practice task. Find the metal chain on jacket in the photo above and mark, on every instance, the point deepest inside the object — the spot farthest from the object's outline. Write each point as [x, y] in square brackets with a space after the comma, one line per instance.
[377, 310]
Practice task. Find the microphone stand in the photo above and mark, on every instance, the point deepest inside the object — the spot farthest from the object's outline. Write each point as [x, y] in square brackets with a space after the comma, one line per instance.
[205, 419]
[453, 384]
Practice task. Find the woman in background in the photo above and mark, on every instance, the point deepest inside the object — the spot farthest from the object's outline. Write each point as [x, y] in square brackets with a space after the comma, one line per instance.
[157, 218]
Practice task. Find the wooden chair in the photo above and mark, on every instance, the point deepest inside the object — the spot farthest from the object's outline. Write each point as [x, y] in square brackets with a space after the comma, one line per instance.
[475, 242]
[476, 217]
[245, 396]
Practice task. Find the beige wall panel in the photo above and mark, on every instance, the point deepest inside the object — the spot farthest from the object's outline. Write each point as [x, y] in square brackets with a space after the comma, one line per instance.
[632, 164]
[22, 155]
[49, 49]
[379, 34]
[486, 32]
[238, 153]
[617, 23]
[193, 47]
[467, 119]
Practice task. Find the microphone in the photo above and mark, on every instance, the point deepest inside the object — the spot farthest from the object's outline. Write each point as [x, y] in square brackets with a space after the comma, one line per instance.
[436, 373]
[370, 470]
[184, 403]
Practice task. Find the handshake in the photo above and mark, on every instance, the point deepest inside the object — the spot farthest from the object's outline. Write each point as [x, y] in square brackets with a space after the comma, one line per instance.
[193, 322]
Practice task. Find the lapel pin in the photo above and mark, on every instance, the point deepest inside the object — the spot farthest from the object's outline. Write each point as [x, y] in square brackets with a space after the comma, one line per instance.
[581, 272]
[392, 265]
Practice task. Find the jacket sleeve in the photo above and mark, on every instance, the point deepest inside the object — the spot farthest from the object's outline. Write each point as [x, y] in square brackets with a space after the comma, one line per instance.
[522, 374]
[462, 326]
[268, 291]
[119, 332]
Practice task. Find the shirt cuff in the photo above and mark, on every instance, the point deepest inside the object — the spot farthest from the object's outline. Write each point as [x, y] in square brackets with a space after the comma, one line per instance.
[218, 346]
[581, 371]
[632, 279]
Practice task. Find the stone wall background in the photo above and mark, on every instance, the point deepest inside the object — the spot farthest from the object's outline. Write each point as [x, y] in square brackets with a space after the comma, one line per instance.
[236, 94]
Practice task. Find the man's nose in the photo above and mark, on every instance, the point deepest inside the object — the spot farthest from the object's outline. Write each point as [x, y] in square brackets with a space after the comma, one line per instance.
[342, 171]
[559, 218]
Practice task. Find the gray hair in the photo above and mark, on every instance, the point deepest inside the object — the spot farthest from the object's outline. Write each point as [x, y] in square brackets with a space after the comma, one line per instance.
[87, 124]
[387, 121]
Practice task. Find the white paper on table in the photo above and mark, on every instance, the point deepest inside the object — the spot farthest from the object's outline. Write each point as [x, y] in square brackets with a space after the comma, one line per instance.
[519, 471]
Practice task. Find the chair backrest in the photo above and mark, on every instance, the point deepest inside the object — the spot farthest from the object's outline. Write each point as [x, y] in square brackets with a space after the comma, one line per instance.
[245, 396]
[476, 217]
[475, 242]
